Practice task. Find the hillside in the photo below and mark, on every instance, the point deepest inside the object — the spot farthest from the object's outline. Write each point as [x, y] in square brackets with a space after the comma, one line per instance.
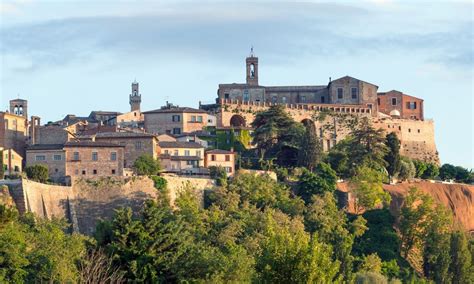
[458, 197]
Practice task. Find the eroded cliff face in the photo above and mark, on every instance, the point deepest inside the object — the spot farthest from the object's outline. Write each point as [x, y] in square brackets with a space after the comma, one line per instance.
[457, 197]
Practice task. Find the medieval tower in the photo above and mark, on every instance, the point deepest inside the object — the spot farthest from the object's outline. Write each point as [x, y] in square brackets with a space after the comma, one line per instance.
[19, 107]
[135, 97]
[252, 69]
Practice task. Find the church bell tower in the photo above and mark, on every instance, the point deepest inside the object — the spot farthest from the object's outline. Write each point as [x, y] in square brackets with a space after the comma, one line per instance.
[252, 69]
[135, 97]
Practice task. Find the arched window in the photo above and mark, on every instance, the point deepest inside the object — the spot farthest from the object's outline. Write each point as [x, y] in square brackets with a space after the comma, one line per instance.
[252, 70]
[283, 100]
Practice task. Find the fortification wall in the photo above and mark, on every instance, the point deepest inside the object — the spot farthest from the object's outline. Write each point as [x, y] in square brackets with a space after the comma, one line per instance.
[416, 136]
[87, 201]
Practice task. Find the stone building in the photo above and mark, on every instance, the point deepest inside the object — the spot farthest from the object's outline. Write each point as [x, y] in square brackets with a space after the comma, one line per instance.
[172, 119]
[400, 105]
[135, 98]
[182, 157]
[12, 162]
[136, 144]
[87, 159]
[14, 133]
[221, 158]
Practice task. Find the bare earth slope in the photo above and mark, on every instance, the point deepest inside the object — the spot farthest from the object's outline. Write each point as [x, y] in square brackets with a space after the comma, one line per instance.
[458, 197]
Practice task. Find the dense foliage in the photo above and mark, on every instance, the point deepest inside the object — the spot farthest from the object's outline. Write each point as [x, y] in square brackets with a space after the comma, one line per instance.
[37, 173]
[146, 165]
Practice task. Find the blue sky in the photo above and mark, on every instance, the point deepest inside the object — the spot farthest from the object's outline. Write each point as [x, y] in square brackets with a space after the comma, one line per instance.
[71, 57]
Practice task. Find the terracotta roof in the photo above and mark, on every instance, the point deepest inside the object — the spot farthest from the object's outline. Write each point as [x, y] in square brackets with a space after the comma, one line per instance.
[178, 144]
[219, 151]
[45, 147]
[175, 110]
[91, 144]
[123, 135]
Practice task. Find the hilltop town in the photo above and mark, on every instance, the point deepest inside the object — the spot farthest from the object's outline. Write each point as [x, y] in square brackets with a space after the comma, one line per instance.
[189, 140]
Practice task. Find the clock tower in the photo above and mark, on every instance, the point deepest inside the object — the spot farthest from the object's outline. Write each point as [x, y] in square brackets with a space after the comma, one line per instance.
[135, 97]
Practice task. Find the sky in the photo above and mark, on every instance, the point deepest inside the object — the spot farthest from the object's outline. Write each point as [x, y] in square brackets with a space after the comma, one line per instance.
[71, 57]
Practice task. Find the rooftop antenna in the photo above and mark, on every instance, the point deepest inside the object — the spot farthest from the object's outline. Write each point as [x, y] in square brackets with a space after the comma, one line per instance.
[251, 51]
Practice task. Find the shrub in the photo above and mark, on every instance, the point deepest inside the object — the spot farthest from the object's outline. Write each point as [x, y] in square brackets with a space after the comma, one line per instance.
[160, 183]
[431, 171]
[146, 165]
[37, 173]
[219, 174]
[407, 169]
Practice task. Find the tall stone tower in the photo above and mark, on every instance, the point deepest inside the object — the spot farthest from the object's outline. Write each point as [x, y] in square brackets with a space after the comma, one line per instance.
[252, 69]
[135, 97]
[19, 107]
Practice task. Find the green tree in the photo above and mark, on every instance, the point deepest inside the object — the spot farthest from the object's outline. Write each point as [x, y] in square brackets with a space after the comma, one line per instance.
[311, 149]
[414, 215]
[294, 257]
[460, 174]
[420, 168]
[323, 180]
[372, 263]
[146, 165]
[367, 146]
[277, 135]
[436, 246]
[367, 189]
[461, 268]
[37, 173]
[431, 171]
[219, 174]
[407, 169]
[393, 155]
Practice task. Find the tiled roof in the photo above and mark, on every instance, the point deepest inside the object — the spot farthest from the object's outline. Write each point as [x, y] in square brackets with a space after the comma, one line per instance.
[176, 110]
[91, 144]
[219, 151]
[45, 147]
[123, 135]
[178, 144]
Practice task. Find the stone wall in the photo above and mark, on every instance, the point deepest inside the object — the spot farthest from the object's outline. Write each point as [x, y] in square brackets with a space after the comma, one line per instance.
[88, 201]
[416, 136]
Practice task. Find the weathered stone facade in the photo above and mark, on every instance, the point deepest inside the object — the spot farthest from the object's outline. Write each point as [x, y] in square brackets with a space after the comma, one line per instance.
[136, 144]
[221, 158]
[175, 120]
[13, 132]
[398, 104]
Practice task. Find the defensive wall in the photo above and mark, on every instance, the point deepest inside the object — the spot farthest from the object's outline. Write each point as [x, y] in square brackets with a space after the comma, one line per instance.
[416, 136]
[87, 201]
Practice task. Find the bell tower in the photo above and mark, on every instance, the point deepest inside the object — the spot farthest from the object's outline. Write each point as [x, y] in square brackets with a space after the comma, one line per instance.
[19, 107]
[252, 69]
[135, 97]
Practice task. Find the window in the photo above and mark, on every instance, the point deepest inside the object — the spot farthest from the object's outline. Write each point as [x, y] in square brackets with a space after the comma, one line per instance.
[176, 152]
[95, 156]
[177, 130]
[340, 93]
[83, 172]
[228, 169]
[94, 172]
[303, 99]
[213, 157]
[246, 96]
[75, 156]
[17, 169]
[283, 100]
[418, 130]
[226, 96]
[57, 157]
[187, 153]
[322, 99]
[40, 158]
[138, 145]
[378, 101]
[167, 152]
[274, 99]
[411, 105]
[113, 172]
[193, 118]
[76, 172]
[198, 153]
[394, 101]
[409, 129]
[369, 106]
[354, 93]
[227, 158]
[199, 118]
[176, 118]
[113, 156]
[56, 170]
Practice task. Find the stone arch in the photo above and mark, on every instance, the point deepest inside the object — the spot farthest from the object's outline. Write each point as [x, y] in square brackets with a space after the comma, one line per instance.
[237, 120]
[307, 121]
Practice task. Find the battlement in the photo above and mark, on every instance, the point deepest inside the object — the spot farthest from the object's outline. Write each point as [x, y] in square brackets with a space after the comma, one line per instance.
[308, 107]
